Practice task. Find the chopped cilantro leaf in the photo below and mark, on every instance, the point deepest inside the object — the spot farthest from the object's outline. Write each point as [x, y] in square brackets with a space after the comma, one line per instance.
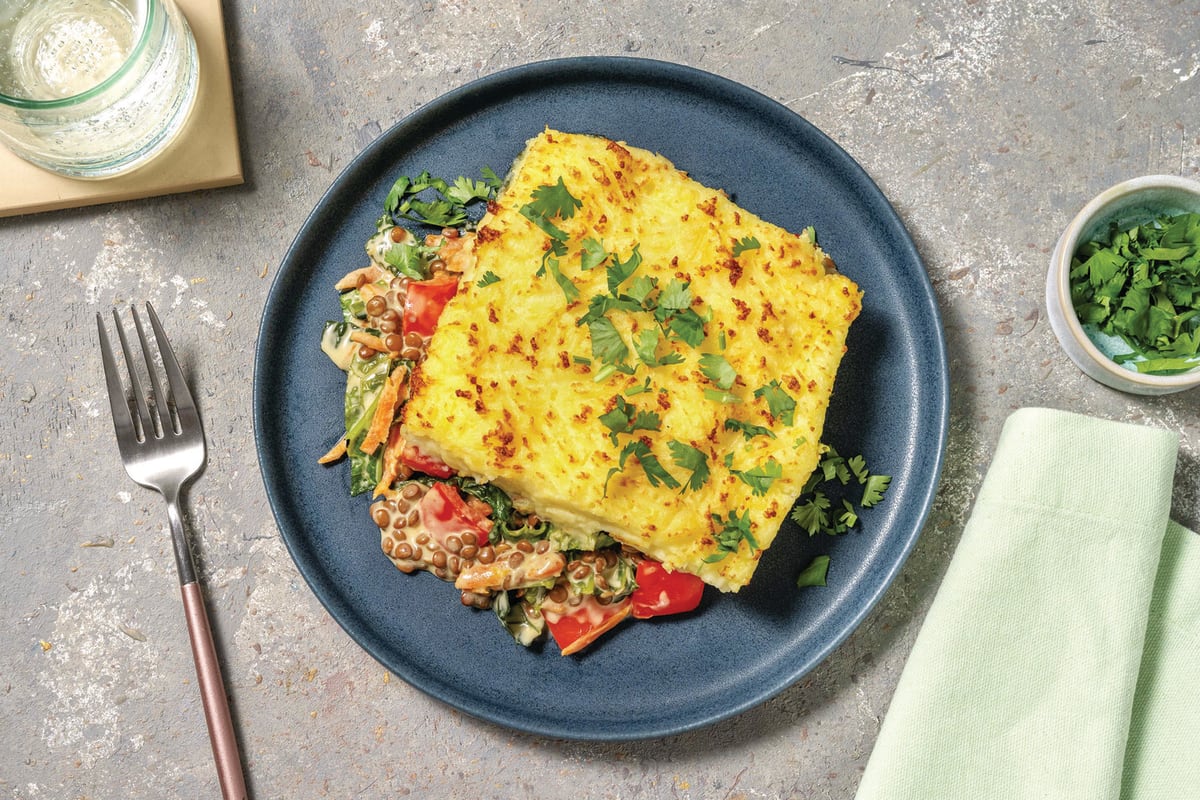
[689, 458]
[640, 288]
[833, 472]
[1140, 284]
[399, 190]
[443, 213]
[554, 201]
[834, 466]
[449, 204]
[619, 271]
[656, 473]
[718, 370]
[734, 530]
[876, 485]
[688, 326]
[811, 514]
[760, 478]
[601, 304]
[488, 279]
[748, 430]
[858, 465]
[570, 290]
[675, 296]
[814, 574]
[491, 178]
[592, 254]
[849, 517]
[646, 345]
[779, 402]
[408, 259]
[672, 310]
[549, 228]
[464, 190]
[624, 418]
[747, 243]
[608, 347]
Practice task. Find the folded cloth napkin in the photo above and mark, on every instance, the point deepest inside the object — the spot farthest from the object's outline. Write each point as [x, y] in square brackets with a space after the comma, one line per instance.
[1061, 656]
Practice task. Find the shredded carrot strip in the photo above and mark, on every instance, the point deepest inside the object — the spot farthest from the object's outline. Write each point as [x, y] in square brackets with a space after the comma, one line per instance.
[385, 411]
[392, 468]
[335, 453]
[595, 633]
[370, 340]
[351, 279]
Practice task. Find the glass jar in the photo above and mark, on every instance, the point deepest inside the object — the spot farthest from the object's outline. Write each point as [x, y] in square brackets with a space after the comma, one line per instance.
[94, 88]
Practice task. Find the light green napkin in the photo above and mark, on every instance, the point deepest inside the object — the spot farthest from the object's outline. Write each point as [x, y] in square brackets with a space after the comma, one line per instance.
[1061, 656]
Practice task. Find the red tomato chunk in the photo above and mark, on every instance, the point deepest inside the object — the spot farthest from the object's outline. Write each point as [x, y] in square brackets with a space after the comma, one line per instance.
[444, 512]
[424, 303]
[660, 591]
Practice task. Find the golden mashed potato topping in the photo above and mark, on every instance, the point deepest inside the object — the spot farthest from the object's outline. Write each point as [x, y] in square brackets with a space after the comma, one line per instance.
[633, 353]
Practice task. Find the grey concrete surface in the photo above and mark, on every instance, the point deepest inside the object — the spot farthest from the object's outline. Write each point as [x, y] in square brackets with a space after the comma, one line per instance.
[987, 124]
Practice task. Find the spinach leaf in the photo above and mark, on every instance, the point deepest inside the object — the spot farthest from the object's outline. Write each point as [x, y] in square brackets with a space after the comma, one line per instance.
[364, 382]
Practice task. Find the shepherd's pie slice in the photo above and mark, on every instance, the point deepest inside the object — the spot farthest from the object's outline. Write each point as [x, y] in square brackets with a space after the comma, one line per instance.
[633, 353]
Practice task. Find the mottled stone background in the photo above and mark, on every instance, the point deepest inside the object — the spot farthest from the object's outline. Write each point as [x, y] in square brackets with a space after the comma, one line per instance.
[987, 124]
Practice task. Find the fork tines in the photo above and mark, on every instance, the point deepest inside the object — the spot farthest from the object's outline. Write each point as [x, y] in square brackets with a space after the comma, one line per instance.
[151, 414]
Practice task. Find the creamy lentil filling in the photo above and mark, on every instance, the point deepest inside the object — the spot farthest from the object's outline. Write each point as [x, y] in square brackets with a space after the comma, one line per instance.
[410, 547]
[384, 314]
[505, 560]
[481, 571]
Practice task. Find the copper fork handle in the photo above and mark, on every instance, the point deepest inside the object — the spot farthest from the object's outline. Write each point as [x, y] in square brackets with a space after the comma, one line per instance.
[212, 694]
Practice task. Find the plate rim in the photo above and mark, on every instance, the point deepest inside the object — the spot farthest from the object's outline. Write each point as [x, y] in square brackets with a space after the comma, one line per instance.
[581, 69]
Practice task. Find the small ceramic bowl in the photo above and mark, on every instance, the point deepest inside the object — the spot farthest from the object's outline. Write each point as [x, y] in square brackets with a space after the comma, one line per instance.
[1130, 203]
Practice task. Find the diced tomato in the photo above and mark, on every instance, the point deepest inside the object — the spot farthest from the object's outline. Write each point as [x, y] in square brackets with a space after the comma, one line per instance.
[584, 624]
[414, 459]
[424, 303]
[660, 591]
[444, 512]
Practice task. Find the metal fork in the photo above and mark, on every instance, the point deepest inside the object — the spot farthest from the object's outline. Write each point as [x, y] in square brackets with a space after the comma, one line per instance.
[161, 441]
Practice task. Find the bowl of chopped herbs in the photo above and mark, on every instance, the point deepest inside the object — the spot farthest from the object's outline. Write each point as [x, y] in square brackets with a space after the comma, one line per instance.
[1123, 289]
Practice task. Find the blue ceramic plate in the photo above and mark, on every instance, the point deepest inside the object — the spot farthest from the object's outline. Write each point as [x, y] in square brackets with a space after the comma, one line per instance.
[650, 678]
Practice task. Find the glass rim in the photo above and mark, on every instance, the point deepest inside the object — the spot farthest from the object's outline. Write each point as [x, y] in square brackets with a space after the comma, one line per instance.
[153, 8]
